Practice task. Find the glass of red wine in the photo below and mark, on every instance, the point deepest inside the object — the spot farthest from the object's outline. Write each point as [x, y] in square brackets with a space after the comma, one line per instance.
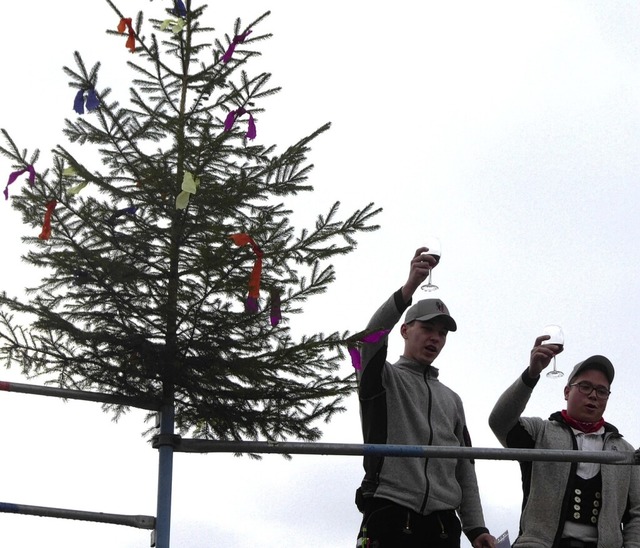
[556, 336]
[433, 244]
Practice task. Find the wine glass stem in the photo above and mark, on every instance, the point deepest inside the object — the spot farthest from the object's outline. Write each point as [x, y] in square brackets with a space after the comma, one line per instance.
[554, 364]
[430, 271]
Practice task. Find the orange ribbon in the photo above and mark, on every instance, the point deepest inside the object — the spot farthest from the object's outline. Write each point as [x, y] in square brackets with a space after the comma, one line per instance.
[125, 24]
[254, 279]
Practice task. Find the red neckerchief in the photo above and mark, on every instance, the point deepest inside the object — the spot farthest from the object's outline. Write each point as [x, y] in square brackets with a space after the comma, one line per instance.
[586, 427]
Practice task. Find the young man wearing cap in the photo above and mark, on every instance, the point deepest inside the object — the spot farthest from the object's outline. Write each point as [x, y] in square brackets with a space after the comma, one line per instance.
[412, 502]
[565, 504]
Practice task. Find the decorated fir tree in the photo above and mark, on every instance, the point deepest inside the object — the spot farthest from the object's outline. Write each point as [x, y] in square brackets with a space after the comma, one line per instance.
[172, 271]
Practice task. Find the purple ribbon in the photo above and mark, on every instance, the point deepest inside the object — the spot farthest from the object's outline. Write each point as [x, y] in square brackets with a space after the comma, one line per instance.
[375, 336]
[13, 176]
[354, 351]
[276, 313]
[356, 360]
[231, 118]
[251, 130]
[251, 305]
[237, 39]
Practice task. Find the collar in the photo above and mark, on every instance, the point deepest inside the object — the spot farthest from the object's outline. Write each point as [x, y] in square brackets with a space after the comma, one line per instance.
[429, 371]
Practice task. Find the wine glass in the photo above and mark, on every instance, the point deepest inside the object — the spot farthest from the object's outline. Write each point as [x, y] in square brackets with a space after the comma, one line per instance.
[556, 336]
[434, 251]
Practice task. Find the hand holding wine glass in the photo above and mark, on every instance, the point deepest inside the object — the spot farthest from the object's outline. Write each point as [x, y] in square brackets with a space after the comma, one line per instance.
[556, 336]
[434, 251]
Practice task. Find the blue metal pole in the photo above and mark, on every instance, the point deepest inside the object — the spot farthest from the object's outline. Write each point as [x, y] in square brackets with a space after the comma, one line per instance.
[165, 444]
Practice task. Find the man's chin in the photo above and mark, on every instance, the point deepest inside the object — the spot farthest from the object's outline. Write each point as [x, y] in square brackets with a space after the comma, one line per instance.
[590, 416]
[429, 358]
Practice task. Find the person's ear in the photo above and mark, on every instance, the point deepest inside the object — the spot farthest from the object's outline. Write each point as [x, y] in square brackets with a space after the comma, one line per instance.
[403, 330]
[566, 392]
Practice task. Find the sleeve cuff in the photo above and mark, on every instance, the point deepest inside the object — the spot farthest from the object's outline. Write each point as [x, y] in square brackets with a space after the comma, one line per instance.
[526, 379]
[471, 534]
[400, 304]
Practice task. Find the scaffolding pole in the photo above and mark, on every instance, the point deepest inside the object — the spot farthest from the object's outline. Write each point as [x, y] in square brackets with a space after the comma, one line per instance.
[141, 522]
[85, 395]
[312, 448]
[165, 443]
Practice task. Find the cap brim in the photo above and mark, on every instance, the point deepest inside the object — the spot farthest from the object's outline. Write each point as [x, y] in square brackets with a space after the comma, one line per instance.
[449, 322]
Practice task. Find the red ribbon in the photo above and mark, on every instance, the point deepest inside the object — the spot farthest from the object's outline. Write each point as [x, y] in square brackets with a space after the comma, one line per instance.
[125, 24]
[254, 279]
[46, 226]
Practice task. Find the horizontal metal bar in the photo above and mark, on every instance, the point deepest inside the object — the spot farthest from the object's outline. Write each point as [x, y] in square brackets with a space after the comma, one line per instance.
[308, 448]
[67, 393]
[141, 522]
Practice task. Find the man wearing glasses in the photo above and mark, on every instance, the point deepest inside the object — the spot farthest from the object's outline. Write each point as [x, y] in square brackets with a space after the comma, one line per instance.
[568, 504]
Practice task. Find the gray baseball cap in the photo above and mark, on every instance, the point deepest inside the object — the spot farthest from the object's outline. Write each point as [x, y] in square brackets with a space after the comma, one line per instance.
[594, 362]
[428, 309]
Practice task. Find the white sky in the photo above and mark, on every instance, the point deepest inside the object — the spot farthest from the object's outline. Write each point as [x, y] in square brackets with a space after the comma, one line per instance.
[509, 129]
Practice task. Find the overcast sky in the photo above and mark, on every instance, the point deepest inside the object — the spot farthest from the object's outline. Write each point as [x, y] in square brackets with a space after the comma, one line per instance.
[509, 129]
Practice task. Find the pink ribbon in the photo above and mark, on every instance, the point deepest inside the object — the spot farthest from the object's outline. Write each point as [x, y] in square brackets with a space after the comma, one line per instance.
[354, 349]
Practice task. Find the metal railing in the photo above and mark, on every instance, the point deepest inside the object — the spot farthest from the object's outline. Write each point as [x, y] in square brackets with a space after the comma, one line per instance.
[141, 522]
[314, 448]
[167, 443]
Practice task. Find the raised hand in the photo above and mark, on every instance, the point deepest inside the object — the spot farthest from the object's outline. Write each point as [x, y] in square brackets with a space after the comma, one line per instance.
[541, 355]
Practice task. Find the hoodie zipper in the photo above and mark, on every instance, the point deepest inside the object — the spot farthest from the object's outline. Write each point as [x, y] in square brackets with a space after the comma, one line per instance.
[430, 441]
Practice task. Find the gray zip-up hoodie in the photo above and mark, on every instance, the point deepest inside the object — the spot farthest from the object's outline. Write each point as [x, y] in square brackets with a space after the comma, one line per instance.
[404, 403]
[547, 486]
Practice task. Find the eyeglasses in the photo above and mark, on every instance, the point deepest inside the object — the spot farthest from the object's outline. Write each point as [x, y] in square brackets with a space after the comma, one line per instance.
[586, 388]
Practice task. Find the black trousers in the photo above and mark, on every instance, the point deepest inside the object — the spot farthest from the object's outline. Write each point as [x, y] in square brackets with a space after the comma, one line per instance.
[386, 524]
[572, 543]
